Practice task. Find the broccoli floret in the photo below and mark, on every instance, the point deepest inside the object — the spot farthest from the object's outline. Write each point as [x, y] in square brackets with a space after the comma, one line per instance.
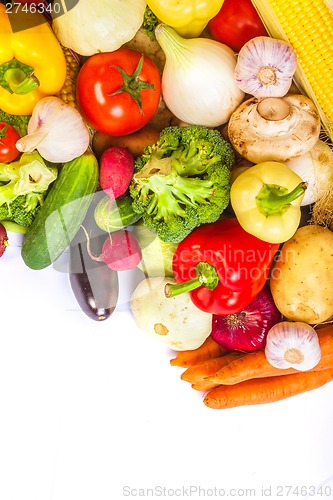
[29, 174]
[150, 21]
[182, 181]
[19, 122]
[23, 186]
[23, 209]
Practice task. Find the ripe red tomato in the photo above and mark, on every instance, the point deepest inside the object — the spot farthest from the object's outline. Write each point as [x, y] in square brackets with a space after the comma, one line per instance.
[115, 94]
[8, 138]
[236, 23]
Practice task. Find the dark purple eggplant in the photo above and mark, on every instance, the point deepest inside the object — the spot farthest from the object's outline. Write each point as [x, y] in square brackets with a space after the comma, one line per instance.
[94, 284]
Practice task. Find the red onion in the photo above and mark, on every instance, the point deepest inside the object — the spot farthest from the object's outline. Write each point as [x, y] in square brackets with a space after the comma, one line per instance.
[3, 240]
[247, 330]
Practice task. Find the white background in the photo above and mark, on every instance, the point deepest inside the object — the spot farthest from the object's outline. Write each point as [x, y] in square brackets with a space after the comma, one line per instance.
[94, 411]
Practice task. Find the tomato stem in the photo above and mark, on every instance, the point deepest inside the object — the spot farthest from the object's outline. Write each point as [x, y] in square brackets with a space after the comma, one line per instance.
[132, 84]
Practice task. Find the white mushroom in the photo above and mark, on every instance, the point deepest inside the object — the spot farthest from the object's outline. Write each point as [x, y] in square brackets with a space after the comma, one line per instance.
[274, 128]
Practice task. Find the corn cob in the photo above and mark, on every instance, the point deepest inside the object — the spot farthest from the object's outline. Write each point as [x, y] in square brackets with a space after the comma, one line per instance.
[308, 26]
[68, 91]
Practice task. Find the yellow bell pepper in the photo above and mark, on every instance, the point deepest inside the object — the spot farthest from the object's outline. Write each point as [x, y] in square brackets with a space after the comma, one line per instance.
[188, 17]
[266, 199]
[35, 47]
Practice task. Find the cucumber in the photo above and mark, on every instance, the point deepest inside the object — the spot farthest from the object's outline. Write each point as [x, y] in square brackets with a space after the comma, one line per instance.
[113, 215]
[62, 213]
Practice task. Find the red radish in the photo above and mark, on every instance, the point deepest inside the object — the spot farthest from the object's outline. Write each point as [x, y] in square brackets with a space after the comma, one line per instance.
[247, 330]
[120, 251]
[116, 168]
[3, 240]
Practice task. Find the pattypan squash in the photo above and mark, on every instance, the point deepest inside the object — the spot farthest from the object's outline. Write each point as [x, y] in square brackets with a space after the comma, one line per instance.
[99, 25]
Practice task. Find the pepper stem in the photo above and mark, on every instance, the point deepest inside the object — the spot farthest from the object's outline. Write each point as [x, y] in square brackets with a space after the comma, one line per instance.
[206, 276]
[275, 200]
[20, 83]
[133, 85]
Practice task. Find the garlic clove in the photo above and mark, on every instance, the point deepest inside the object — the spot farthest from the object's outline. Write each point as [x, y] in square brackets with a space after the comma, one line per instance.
[293, 345]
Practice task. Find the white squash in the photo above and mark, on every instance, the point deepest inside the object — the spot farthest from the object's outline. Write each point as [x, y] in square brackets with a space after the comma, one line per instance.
[99, 25]
[174, 321]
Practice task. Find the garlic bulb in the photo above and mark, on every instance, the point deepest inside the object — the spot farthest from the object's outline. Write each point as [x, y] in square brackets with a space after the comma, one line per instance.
[56, 130]
[265, 67]
[198, 84]
[293, 345]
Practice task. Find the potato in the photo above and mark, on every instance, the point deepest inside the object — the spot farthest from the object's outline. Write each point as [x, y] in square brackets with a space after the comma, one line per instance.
[135, 142]
[302, 278]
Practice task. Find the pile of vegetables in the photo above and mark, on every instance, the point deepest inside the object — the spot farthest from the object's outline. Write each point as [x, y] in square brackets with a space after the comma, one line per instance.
[233, 378]
[203, 166]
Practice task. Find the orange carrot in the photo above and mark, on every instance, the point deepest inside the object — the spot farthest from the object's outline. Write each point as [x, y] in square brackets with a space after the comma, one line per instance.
[209, 349]
[255, 364]
[266, 390]
[197, 374]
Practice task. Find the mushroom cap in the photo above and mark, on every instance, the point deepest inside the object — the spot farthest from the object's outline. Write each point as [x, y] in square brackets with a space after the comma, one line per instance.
[277, 128]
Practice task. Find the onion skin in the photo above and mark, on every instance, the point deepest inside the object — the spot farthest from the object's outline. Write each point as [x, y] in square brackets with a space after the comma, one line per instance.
[198, 83]
[247, 330]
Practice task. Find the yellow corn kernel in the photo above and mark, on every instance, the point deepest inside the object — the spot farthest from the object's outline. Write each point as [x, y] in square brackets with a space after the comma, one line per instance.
[308, 26]
[68, 91]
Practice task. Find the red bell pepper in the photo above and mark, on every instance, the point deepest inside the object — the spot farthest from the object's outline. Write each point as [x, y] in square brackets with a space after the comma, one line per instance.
[236, 23]
[222, 266]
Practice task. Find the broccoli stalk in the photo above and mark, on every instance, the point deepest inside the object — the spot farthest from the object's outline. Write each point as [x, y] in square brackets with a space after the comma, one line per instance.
[24, 186]
[182, 181]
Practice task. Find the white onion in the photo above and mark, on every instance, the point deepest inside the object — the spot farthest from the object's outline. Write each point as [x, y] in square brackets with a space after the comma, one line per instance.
[315, 168]
[198, 84]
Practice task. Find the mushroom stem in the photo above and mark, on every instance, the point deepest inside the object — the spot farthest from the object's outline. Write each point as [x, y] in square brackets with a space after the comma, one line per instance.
[273, 109]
